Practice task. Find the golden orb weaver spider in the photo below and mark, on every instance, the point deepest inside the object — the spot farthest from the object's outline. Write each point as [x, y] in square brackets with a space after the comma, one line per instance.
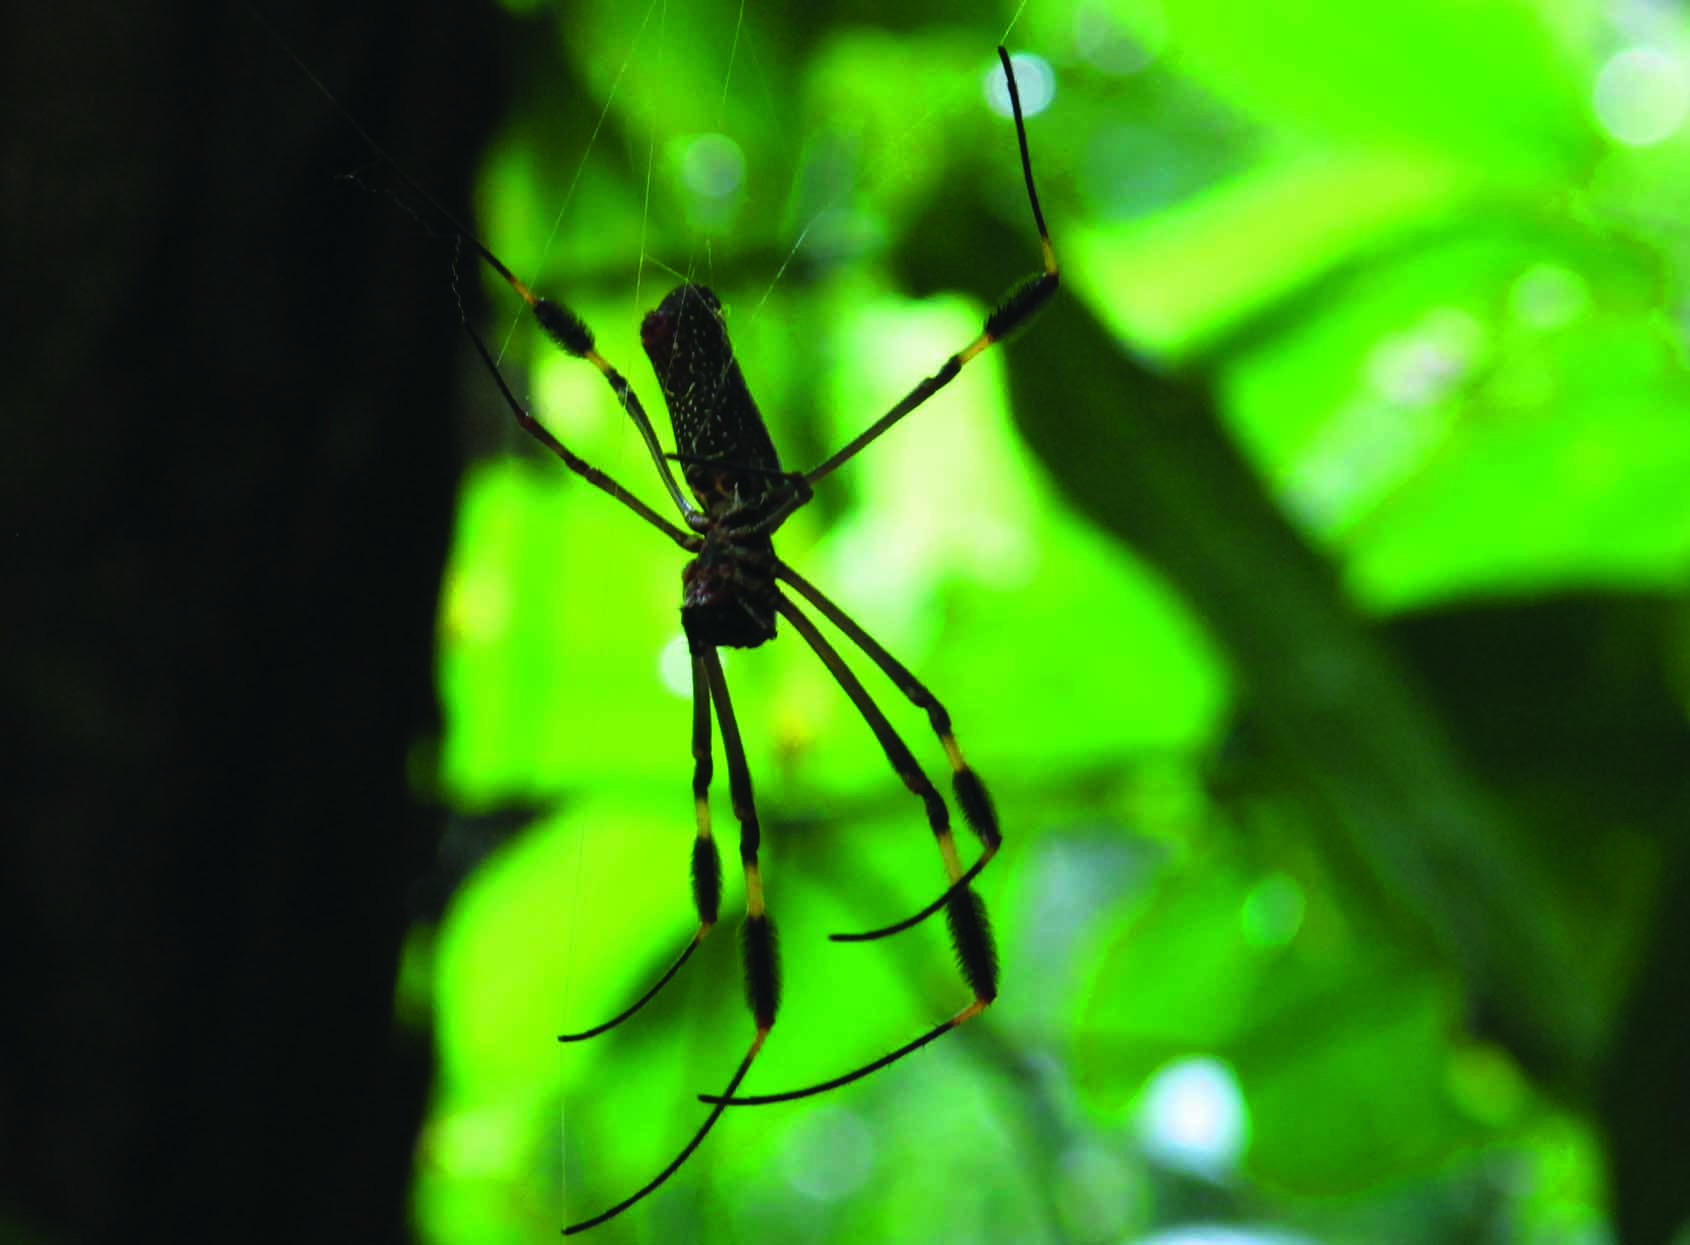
[731, 596]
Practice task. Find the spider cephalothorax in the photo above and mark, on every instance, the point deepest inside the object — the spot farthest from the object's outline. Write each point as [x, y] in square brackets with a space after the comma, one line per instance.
[732, 590]
[728, 591]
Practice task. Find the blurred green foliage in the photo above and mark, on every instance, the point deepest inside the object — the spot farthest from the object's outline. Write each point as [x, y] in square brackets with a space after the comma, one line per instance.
[1334, 831]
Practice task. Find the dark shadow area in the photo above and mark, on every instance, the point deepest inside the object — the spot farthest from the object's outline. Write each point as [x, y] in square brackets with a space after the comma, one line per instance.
[230, 392]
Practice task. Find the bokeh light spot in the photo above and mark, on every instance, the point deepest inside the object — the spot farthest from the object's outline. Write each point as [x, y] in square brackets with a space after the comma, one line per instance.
[1487, 1084]
[1547, 296]
[674, 666]
[1642, 96]
[829, 1154]
[1194, 1117]
[1273, 911]
[1108, 43]
[1425, 363]
[713, 166]
[1034, 79]
[1099, 1193]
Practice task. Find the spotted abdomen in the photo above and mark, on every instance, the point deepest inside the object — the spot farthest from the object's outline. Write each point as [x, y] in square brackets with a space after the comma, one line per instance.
[727, 456]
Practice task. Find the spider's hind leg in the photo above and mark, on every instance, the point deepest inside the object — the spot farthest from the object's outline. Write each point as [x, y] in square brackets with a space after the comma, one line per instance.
[757, 935]
[706, 861]
[965, 911]
[971, 794]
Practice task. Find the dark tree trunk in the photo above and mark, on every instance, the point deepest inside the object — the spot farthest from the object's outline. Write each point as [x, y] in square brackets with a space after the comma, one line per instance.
[229, 467]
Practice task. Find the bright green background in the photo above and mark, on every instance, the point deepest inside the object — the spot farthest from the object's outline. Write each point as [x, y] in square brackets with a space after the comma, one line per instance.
[1436, 304]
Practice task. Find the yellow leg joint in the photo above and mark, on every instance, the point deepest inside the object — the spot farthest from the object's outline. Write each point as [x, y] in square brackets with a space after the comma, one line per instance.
[753, 891]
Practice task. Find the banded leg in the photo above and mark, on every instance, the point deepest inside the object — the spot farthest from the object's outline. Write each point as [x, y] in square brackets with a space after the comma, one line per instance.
[591, 474]
[757, 935]
[971, 794]
[1019, 306]
[897, 752]
[728, 1098]
[571, 334]
[971, 932]
[706, 862]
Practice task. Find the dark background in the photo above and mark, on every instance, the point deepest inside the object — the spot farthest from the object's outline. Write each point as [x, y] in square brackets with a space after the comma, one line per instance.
[228, 476]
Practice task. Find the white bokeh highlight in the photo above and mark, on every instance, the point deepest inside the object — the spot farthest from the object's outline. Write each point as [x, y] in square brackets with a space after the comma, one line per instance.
[1034, 79]
[1642, 96]
[1194, 1118]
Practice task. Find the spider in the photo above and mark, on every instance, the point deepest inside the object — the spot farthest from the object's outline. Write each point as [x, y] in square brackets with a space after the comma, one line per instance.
[732, 595]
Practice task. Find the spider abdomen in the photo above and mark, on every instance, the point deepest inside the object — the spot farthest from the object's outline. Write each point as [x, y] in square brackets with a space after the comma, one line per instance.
[725, 451]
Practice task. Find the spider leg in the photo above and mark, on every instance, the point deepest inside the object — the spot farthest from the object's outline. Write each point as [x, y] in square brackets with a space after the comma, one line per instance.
[1019, 306]
[570, 332]
[757, 935]
[721, 1103]
[791, 487]
[965, 912]
[706, 862]
[591, 474]
[729, 1099]
[971, 792]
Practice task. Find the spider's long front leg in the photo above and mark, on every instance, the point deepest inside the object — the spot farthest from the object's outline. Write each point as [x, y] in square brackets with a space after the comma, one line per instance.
[1019, 306]
[757, 936]
[591, 474]
[706, 862]
[571, 334]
